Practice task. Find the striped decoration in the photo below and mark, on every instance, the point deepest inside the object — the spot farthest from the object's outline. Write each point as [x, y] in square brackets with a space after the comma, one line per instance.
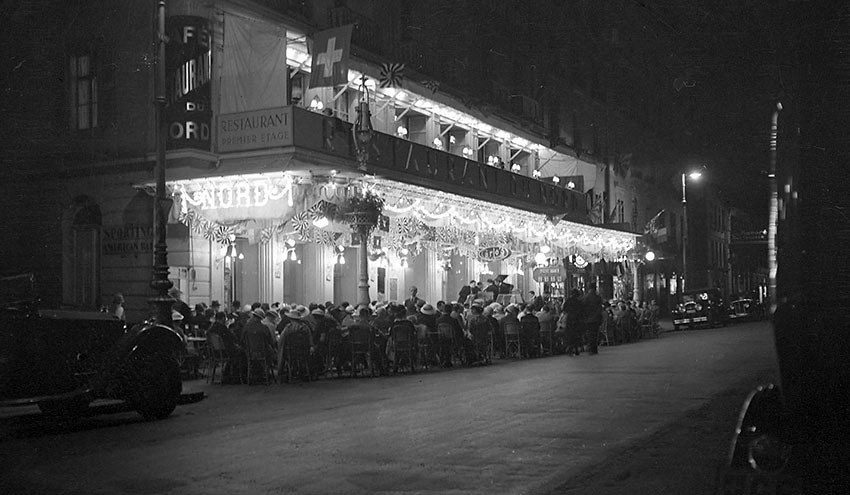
[391, 75]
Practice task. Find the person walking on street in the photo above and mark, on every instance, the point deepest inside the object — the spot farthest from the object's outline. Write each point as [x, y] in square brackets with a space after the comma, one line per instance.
[592, 308]
[574, 322]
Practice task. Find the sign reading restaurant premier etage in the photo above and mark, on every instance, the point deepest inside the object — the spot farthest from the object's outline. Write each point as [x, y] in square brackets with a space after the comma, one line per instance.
[256, 129]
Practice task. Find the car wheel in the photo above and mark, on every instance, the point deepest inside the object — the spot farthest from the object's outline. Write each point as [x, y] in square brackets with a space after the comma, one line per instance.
[154, 383]
[69, 408]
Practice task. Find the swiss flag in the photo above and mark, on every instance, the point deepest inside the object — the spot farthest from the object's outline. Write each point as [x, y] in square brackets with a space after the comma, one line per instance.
[330, 57]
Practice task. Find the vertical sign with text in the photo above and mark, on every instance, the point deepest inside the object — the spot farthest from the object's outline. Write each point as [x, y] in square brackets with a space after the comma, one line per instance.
[188, 67]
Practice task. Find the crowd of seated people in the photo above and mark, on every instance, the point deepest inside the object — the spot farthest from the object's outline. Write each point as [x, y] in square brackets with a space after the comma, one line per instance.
[445, 334]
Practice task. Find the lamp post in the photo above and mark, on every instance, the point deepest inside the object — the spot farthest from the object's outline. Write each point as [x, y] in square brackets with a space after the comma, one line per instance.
[693, 176]
[160, 282]
[363, 224]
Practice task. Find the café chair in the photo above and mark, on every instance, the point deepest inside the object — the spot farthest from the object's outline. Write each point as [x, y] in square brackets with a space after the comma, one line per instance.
[259, 358]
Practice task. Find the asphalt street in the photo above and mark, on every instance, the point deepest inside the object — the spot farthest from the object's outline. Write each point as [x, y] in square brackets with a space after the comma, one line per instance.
[650, 417]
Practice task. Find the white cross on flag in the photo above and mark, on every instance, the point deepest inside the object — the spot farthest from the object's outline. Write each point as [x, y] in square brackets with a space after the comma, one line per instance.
[330, 57]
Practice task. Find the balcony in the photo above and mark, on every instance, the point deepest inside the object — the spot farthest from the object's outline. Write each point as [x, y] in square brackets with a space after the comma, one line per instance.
[394, 158]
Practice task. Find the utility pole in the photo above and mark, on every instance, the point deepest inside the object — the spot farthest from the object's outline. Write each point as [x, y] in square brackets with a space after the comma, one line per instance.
[160, 282]
[774, 209]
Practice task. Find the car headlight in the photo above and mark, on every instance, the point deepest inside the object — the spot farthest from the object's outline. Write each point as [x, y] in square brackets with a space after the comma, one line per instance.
[767, 453]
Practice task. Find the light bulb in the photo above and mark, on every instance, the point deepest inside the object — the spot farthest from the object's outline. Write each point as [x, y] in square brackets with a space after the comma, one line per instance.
[241, 256]
[292, 255]
[290, 243]
[545, 249]
[321, 222]
[341, 259]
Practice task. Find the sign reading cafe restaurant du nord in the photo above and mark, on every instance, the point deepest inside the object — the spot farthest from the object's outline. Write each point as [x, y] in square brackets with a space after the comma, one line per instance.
[256, 129]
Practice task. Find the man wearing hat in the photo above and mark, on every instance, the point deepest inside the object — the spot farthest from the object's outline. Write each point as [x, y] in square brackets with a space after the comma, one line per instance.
[428, 319]
[296, 327]
[180, 306]
[256, 333]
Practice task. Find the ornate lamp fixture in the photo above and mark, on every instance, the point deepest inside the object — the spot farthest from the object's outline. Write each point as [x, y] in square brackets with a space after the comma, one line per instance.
[362, 213]
[362, 129]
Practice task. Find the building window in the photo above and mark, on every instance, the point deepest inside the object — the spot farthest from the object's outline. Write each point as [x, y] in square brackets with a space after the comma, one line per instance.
[83, 93]
[342, 106]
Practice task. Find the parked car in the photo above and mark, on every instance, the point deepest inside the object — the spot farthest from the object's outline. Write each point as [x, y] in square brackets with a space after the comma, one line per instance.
[63, 360]
[700, 307]
[745, 310]
[793, 436]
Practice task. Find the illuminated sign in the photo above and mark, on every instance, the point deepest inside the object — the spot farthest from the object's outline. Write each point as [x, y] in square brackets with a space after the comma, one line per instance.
[549, 274]
[188, 71]
[493, 253]
[254, 130]
[236, 194]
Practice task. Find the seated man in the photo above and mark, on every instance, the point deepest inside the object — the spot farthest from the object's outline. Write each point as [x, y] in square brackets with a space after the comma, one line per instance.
[233, 350]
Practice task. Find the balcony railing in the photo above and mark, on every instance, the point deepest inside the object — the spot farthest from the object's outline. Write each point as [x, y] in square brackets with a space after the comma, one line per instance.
[405, 161]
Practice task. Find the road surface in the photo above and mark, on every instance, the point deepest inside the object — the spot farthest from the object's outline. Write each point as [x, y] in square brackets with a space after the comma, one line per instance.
[650, 417]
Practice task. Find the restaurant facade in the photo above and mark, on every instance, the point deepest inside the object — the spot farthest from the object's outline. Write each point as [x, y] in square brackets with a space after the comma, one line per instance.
[258, 161]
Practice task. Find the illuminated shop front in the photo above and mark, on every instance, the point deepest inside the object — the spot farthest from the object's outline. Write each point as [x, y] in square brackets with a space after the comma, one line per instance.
[274, 237]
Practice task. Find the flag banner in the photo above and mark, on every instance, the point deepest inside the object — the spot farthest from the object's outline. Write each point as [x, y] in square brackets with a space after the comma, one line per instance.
[653, 224]
[596, 212]
[391, 75]
[254, 74]
[331, 50]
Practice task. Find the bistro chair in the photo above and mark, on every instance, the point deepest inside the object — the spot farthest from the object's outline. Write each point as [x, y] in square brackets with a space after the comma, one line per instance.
[482, 343]
[296, 347]
[447, 343]
[360, 339]
[334, 358]
[530, 337]
[403, 343]
[219, 358]
[258, 358]
[513, 345]
[547, 337]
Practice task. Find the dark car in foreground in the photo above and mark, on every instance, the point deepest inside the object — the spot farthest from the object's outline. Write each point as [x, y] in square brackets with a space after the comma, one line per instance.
[63, 360]
[794, 436]
[700, 307]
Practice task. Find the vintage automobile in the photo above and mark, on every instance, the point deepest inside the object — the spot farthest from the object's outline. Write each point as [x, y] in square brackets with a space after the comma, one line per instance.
[700, 307]
[745, 310]
[63, 360]
[794, 436]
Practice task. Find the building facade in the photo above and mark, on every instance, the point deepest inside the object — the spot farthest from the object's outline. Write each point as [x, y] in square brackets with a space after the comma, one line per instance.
[480, 176]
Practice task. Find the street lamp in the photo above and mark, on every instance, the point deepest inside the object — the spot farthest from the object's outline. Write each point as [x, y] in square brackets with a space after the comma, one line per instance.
[693, 176]
[160, 282]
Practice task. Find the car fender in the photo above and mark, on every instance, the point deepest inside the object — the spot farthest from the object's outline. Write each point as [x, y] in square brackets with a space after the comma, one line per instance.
[762, 414]
[145, 336]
